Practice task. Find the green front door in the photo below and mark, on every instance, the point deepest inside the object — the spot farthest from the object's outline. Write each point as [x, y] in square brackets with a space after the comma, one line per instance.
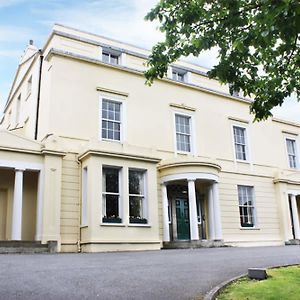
[183, 222]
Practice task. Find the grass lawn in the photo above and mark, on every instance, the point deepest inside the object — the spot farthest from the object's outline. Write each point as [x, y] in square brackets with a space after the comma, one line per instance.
[282, 283]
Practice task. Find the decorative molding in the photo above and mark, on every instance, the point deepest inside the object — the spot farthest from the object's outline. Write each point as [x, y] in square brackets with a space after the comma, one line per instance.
[109, 91]
[238, 120]
[289, 132]
[182, 106]
[118, 155]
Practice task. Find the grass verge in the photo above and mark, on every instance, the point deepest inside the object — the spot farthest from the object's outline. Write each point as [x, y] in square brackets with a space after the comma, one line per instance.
[282, 283]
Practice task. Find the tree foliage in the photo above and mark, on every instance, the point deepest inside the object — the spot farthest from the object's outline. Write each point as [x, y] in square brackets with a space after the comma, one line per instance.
[257, 41]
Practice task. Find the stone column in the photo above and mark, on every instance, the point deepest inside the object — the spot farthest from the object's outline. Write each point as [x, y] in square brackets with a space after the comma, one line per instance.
[211, 216]
[166, 236]
[193, 210]
[217, 211]
[16, 232]
[295, 217]
[39, 207]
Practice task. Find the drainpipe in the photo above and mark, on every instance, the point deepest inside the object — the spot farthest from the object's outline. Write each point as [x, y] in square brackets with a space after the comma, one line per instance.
[38, 96]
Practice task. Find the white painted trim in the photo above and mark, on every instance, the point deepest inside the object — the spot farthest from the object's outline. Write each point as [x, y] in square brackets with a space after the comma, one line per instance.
[247, 140]
[190, 176]
[39, 207]
[20, 165]
[293, 138]
[293, 192]
[123, 116]
[192, 130]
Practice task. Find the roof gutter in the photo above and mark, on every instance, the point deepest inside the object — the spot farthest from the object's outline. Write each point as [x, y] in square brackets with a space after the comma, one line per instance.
[38, 96]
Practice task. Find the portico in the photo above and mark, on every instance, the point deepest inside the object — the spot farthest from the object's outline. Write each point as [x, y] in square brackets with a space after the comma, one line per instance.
[294, 205]
[190, 200]
[20, 201]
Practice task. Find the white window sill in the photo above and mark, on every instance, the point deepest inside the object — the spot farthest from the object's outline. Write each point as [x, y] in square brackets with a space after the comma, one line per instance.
[139, 225]
[243, 161]
[109, 140]
[249, 228]
[113, 224]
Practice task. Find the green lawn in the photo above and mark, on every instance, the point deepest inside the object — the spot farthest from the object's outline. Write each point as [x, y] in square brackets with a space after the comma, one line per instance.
[282, 283]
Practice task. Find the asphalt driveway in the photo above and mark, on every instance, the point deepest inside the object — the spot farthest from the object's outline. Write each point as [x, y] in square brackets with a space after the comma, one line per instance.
[167, 274]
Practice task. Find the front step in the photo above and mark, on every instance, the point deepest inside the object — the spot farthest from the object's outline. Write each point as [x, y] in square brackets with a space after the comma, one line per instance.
[11, 247]
[193, 244]
[293, 242]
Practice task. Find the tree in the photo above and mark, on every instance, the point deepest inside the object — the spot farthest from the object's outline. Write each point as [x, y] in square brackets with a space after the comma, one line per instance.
[257, 42]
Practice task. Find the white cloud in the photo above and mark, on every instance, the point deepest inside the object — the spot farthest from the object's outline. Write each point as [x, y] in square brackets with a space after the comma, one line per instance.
[122, 20]
[289, 110]
[13, 34]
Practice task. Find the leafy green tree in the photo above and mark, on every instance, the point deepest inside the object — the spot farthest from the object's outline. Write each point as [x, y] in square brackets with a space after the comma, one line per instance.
[257, 41]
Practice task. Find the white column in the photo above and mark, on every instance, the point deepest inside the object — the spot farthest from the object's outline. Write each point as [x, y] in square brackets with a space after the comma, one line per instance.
[16, 232]
[211, 216]
[295, 217]
[193, 210]
[166, 229]
[217, 211]
[39, 207]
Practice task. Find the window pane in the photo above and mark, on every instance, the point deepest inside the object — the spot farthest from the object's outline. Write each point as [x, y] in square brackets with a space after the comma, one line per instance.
[239, 143]
[246, 206]
[135, 207]
[114, 59]
[110, 180]
[105, 57]
[111, 126]
[136, 182]
[112, 205]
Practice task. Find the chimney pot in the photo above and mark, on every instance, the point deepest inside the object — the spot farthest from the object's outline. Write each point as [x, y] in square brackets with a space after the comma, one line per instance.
[31, 42]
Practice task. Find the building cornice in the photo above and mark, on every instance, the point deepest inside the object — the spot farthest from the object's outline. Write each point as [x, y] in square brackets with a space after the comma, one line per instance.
[71, 55]
[118, 155]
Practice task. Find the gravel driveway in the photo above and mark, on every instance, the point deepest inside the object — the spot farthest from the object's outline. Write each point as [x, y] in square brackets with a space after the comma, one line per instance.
[166, 274]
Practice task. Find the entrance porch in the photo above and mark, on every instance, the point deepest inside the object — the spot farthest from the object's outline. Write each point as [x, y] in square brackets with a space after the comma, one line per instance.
[294, 206]
[191, 211]
[19, 204]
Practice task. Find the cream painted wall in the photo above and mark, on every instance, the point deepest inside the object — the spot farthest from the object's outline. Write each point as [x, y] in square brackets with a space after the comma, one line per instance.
[149, 116]
[134, 234]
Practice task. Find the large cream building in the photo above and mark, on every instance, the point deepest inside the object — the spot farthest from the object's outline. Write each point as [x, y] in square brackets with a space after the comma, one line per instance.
[94, 159]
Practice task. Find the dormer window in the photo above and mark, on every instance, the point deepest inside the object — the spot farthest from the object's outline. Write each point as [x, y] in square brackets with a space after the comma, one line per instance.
[179, 74]
[111, 56]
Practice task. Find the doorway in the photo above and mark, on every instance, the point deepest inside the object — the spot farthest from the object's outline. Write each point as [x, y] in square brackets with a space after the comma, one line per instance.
[182, 219]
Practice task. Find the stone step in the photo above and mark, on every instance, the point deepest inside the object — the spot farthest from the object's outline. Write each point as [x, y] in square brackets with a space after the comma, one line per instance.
[293, 242]
[7, 247]
[193, 244]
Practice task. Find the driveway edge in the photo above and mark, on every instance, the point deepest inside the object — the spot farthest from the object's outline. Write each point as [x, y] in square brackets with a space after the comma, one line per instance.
[214, 292]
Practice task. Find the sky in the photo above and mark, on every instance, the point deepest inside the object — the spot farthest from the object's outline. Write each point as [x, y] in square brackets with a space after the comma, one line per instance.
[22, 20]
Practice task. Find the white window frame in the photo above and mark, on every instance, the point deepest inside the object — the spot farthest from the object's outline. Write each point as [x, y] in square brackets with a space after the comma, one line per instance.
[296, 152]
[123, 120]
[192, 133]
[120, 194]
[121, 56]
[84, 196]
[254, 210]
[179, 71]
[144, 196]
[247, 145]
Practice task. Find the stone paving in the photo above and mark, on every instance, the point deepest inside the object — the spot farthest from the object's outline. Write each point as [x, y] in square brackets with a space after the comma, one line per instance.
[166, 274]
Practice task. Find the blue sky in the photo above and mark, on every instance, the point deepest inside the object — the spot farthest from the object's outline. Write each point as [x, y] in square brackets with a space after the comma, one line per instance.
[22, 20]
